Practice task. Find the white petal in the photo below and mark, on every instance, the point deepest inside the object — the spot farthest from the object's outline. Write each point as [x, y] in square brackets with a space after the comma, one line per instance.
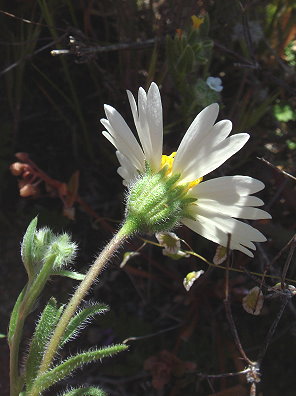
[231, 199]
[206, 144]
[218, 133]
[246, 201]
[134, 108]
[148, 120]
[216, 227]
[142, 129]
[127, 170]
[199, 128]
[110, 138]
[120, 130]
[227, 187]
[123, 173]
[154, 118]
[214, 232]
[209, 159]
[123, 139]
[233, 211]
[241, 231]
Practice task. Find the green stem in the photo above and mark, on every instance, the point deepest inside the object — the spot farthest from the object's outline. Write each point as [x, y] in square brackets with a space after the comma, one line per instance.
[126, 230]
[33, 291]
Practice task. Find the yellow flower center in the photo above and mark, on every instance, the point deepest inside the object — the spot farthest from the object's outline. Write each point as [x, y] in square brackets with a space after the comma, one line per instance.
[167, 161]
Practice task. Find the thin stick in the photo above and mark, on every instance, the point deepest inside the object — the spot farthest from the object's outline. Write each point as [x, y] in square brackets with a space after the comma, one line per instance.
[273, 328]
[228, 310]
[276, 168]
[288, 261]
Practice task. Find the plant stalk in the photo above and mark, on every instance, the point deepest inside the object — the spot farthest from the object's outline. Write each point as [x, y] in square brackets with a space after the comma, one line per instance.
[126, 230]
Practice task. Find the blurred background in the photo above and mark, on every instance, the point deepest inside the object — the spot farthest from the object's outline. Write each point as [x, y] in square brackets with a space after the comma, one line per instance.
[61, 60]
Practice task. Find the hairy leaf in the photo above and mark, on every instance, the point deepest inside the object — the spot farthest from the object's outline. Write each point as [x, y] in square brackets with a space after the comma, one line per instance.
[27, 249]
[15, 314]
[80, 318]
[61, 371]
[186, 59]
[69, 274]
[43, 331]
[91, 391]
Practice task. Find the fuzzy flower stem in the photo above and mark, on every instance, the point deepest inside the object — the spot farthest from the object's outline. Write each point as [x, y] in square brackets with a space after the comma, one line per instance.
[126, 230]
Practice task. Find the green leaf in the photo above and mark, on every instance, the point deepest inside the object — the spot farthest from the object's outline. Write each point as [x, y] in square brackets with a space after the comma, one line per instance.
[291, 144]
[186, 60]
[27, 248]
[15, 314]
[61, 371]
[91, 391]
[69, 274]
[2, 335]
[43, 331]
[170, 52]
[284, 112]
[76, 323]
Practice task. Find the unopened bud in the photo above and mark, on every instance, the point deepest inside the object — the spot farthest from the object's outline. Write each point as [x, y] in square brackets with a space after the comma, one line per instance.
[63, 249]
[22, 156]
[27, 189]
[17, 168]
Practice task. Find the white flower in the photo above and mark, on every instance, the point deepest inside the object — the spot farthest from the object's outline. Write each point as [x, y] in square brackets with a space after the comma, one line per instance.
[204, 147]
[215, 83]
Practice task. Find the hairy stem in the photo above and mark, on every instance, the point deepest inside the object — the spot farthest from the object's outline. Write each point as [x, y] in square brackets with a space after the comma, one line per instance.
[96, 268]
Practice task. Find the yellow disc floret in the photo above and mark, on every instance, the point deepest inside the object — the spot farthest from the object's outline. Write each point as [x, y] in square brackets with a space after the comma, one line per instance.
[167, 162]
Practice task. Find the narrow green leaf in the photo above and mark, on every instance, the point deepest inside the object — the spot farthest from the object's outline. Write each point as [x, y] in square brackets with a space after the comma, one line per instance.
[69, 274]
[170, 50]
[27, 248]
[91, 391]
[43, 331]
[61, 371]
[15, 314]
[76, 323]
[186, 60]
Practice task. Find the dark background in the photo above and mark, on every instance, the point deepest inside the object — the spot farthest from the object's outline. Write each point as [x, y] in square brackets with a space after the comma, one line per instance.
[50, 109]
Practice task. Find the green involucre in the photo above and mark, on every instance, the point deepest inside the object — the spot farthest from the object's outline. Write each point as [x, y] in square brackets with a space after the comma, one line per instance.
[155, 202]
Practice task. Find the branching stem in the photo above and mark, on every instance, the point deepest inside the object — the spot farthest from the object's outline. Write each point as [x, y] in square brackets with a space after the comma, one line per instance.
[96, 268]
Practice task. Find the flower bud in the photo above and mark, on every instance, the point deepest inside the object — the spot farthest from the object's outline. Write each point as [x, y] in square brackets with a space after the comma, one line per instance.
[22, 156]
[42, 240]
[63, 249]
[17, 168]
[28, 190]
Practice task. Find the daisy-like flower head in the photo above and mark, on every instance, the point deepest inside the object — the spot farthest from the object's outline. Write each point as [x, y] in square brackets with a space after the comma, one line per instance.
[167, 190]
